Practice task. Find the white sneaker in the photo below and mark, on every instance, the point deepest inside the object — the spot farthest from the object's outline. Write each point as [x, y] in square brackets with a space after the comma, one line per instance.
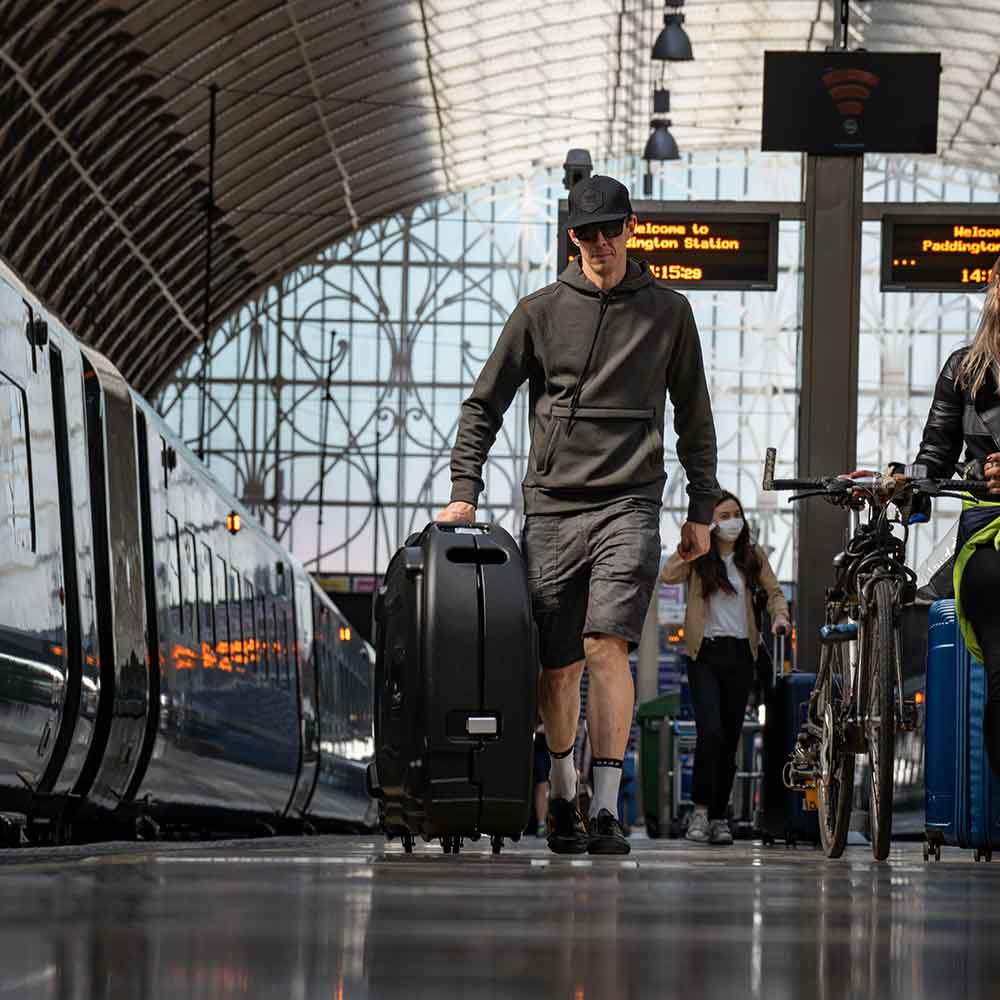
[698, 829]
[719, 832]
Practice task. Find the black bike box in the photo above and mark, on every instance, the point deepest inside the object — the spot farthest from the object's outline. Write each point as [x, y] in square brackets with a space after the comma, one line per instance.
[455, 686]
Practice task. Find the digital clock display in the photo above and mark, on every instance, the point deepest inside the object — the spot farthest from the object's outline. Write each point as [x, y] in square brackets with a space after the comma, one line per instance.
[730, 250]
[938, 253]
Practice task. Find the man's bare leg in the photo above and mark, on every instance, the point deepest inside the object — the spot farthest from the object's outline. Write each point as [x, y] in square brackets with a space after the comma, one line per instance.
[559, 706]
[611, 696]
[610, 701]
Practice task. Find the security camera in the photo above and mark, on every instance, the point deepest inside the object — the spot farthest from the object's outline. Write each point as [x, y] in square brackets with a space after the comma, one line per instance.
[578, 167]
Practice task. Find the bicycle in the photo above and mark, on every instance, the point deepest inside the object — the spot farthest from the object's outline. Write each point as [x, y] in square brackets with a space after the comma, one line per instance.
[857, 702]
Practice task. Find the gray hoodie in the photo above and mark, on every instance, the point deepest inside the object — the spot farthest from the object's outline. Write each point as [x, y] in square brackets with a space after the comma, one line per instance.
[601, 440]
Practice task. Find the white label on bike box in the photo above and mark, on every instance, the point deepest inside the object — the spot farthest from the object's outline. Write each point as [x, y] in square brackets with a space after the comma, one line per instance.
[470, 531]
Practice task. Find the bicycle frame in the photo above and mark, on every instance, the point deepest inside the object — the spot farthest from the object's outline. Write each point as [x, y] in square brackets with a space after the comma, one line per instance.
[873, 553]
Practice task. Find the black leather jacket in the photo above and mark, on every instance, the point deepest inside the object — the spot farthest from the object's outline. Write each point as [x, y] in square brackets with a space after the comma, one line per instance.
[957, 420]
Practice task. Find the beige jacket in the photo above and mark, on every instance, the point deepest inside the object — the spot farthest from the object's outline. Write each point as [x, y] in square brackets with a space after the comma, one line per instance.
[677, 570]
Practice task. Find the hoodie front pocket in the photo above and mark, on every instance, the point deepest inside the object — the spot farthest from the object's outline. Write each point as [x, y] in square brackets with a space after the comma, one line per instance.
[598, 447]
[543, 462]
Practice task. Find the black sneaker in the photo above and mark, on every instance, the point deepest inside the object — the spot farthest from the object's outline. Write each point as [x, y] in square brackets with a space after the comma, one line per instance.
[606, 836]
[566, 831]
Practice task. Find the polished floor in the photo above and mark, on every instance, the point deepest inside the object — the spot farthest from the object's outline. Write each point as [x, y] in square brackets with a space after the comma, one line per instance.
[351, 918]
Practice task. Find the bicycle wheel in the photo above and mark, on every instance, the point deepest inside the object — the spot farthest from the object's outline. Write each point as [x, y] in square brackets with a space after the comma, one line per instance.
[880, 713]
[835, 786]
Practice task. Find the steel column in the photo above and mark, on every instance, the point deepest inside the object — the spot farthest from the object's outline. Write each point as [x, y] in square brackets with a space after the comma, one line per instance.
[828, 407]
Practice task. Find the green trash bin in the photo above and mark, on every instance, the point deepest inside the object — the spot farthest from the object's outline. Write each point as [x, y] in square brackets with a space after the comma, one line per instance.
[650, 716]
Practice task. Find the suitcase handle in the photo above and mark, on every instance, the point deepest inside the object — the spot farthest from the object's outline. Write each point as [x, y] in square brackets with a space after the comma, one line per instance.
[476, 527]
[778, 655]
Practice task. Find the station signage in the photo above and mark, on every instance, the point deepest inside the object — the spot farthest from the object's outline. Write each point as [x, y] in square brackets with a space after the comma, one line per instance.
[710, 250]
[938, 253]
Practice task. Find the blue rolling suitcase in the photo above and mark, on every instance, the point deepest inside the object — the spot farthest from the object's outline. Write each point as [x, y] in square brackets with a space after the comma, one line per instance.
[784, 814]
[963, 794]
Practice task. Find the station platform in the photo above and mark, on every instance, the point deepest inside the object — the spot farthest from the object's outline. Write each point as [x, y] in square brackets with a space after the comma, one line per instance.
[352, 917]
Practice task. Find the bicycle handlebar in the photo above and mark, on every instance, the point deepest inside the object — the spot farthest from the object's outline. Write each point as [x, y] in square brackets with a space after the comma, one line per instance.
[837, 485]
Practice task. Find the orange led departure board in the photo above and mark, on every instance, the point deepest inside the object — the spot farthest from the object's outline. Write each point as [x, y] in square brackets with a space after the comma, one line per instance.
[938, 253]
[707, 250]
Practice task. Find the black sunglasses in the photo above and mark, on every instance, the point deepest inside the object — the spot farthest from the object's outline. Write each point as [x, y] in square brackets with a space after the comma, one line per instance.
[588, 233]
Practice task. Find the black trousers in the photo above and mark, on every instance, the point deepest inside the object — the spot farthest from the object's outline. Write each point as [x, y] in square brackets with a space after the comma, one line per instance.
[720, 681]
[981, 605]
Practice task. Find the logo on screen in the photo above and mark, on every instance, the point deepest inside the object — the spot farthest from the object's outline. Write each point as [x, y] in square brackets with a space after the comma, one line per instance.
[850, 89]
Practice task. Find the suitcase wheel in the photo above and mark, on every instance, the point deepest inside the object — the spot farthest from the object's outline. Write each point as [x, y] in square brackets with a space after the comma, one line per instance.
[407, 839]
[934, 851]
[497, 844]
[451, 845]
[984, 854]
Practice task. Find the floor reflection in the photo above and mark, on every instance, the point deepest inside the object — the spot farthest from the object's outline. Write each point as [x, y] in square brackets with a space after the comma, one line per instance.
[341, 918]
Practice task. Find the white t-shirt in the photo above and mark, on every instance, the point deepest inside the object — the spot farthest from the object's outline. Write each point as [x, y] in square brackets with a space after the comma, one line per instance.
[725, 613]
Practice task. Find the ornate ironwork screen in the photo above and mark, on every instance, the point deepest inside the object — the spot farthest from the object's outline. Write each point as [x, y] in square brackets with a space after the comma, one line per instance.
[331, 403]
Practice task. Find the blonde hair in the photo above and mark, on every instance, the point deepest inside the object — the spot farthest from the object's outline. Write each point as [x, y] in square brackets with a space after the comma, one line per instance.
[984, 355]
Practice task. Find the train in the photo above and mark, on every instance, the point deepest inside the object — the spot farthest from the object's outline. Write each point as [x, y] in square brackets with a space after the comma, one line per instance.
[164, 663]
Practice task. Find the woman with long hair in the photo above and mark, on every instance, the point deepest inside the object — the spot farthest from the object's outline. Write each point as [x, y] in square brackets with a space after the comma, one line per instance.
[965, 414]
[722, 643]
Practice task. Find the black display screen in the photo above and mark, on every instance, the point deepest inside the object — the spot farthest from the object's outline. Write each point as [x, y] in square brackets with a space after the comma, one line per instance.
[834, 103]
[938, 253]
[707, 250]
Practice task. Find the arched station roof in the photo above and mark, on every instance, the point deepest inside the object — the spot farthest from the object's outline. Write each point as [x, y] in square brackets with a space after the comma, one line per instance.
[332, 114]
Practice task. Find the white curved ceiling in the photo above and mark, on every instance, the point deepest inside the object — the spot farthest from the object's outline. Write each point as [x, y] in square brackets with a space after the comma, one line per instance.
[334, 113]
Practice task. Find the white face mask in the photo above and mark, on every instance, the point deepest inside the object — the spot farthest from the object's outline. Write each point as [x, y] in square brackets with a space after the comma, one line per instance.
[730, 529]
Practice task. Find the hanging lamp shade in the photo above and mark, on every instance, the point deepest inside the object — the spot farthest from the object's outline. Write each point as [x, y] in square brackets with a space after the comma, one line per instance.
[661, 145]
[673, 44]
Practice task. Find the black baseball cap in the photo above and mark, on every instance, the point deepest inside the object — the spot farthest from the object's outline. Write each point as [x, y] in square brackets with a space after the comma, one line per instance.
[597, 199]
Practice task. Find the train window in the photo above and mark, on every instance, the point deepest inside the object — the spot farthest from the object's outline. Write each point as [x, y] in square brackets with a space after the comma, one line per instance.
[235, 623]
[190, 552]
[266, 652]
[164, 460]
[174, 545]
[17, 515]
[279, 651]
[286, 638]
[221, 608]
[208, 597]
[250, 649]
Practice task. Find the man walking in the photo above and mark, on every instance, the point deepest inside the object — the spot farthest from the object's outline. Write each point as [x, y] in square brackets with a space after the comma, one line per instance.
[600, 348]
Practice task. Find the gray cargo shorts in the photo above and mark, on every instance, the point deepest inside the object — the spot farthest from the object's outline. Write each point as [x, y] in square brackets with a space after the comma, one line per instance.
[591, 573]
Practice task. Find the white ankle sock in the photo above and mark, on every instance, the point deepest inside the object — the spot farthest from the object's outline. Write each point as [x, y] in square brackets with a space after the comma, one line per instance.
[562, 777]
[607, 778]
